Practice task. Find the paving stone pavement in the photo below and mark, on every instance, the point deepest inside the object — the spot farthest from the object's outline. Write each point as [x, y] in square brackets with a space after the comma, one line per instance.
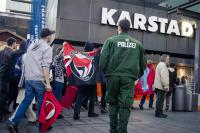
[140, 122]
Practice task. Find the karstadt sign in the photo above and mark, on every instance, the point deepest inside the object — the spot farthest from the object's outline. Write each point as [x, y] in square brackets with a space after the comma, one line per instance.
[151, 24]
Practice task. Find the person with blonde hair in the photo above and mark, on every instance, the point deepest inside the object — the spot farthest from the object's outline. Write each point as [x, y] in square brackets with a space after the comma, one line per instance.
[150, 80]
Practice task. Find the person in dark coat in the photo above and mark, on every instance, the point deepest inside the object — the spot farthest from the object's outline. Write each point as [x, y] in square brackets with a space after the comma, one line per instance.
[14, 81]
[101, 78]
[103, 92]
[172, 82]
[8, 58]
[85, 92]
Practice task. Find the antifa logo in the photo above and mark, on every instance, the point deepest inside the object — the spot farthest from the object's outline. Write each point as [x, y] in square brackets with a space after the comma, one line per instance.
[82, 66]
[50, 110]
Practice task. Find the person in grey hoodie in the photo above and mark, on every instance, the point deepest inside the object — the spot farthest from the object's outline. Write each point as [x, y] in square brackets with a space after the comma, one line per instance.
[36, 62]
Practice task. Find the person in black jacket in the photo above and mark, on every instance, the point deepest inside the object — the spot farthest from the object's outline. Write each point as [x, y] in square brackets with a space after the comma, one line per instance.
[84, 93]
[13, 80]
[8, 58]
[102, 79]
[172, 82]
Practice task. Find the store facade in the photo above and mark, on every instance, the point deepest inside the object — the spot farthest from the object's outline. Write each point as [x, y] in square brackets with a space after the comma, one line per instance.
[80, 21]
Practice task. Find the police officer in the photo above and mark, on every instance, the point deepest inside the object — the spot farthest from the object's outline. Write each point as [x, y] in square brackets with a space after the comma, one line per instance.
[123, 61]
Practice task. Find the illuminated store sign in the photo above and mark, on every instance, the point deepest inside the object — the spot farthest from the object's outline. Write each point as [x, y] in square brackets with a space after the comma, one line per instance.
[152, 23]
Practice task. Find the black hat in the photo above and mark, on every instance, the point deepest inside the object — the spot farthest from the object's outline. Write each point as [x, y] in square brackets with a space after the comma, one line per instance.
[88, 47]
[46, 32]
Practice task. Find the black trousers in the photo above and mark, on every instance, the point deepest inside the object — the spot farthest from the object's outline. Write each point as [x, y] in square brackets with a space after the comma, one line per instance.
[4, 95]
[103, 91]
[171, 89]
[13, 92]
[84, 92]
[160, 100]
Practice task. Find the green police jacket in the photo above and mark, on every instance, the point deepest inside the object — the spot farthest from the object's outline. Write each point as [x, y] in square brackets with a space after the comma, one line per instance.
[123, 55]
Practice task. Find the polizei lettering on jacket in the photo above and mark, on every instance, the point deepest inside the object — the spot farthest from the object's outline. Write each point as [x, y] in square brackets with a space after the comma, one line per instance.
[126, 44]
[152, 24]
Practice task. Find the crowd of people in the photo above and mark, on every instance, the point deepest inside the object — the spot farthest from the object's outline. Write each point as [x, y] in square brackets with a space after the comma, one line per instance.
[25, 76]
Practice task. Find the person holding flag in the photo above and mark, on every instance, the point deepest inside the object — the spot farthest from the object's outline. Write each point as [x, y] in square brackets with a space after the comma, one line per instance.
[86, 92]
[36, 62]
[123, 60]
[147, 87]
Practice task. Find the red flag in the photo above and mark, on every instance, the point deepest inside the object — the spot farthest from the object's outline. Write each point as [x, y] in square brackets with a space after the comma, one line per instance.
[150, 81]
[49, 112]
[138, 88]
[80, 66]
[69, 96]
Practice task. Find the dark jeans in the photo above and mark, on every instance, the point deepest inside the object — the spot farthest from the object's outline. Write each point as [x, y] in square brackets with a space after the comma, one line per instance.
[160, 100]
[85, 91]
[150, 100]
[58, 89]
[103, 91]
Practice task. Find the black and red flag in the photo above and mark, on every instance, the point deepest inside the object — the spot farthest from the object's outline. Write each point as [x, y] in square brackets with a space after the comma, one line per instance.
[80, 66]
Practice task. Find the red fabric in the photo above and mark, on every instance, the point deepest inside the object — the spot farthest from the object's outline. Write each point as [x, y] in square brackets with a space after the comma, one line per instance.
[50, 110]
[151, 78]
[68, 48]
[138, 89]
[67, 51]
[80, 66]
[69, 96]
[150, 81]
